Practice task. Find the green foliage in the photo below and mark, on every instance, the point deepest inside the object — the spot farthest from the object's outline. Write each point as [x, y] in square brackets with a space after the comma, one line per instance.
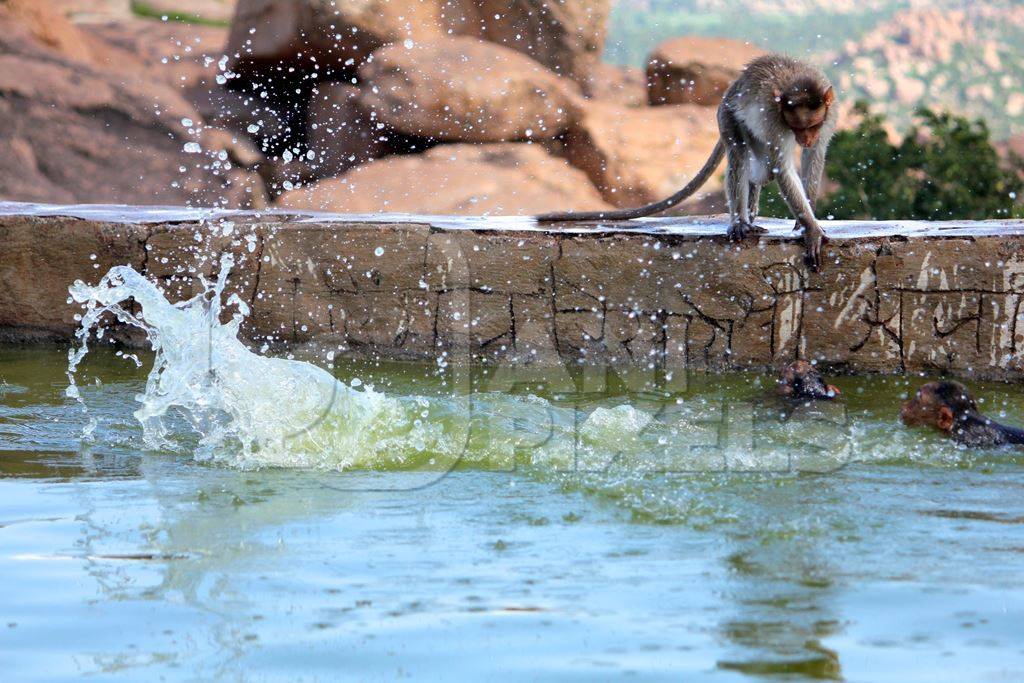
[989, 56]
[143, 9]
[944, 168]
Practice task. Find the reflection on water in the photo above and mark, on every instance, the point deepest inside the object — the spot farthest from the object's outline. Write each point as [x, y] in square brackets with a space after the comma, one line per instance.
[563, 547]
[786, 575]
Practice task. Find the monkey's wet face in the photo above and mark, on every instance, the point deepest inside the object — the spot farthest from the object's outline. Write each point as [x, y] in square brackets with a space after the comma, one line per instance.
[801, 381]
[804, 110]
[938, 404]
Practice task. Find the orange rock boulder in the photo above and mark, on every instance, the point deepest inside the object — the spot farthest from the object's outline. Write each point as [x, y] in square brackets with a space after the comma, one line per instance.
[623, 85]
[695, 69]
[466, 90]
[566, 36]
[499, 179]
[639, 155]
[76, 129]
[329, 37]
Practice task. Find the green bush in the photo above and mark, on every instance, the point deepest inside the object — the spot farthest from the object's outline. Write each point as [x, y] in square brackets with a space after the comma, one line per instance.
[944, 168]
[140, 8]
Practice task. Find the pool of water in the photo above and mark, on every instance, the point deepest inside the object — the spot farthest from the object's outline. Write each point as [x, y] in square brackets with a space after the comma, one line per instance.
[614, 529]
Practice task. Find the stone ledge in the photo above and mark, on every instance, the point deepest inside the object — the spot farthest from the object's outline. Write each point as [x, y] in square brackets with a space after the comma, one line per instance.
[672, 292]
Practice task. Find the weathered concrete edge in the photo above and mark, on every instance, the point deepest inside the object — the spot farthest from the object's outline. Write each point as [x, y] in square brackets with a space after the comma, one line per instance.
[893, 297]
[684, 226]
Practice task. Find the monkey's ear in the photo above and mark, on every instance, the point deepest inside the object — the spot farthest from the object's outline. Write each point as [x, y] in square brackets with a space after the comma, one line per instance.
[830, 96]
[945, 422]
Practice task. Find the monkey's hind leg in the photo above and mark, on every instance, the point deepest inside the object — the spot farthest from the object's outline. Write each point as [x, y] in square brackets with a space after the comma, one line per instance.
[755, 205]
[737, 191]
[743, 210]
[737, 179]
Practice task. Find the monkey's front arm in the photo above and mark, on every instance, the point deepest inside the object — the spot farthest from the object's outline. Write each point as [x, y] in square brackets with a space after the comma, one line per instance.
[792, 190]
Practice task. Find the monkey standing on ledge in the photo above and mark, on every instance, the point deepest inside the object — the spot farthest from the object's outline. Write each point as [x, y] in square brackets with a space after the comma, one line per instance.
[775, 104]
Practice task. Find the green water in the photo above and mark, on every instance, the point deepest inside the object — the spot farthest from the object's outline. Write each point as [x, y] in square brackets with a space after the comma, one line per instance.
[568, 543]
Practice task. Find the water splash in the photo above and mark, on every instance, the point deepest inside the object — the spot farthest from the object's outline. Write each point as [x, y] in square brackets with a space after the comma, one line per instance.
[246, 409]
[208, 395]
[249, 410]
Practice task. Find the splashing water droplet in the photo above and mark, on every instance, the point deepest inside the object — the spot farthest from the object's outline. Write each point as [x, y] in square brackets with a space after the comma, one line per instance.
[230, 396]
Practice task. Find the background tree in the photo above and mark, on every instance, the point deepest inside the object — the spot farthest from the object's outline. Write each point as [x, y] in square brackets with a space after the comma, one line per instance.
[944, 168]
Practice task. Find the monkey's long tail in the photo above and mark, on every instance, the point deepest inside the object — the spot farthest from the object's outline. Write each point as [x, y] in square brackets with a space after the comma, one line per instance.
[625, 214]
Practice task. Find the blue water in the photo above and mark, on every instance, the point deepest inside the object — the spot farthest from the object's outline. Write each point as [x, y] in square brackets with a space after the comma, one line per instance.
[902, 562]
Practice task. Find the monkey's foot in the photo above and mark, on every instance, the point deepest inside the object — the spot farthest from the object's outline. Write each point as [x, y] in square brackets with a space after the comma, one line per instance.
[742, 229]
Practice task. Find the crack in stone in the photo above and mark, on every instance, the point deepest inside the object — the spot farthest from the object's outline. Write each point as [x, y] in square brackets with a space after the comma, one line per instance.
[577, 297]
[876, 322]
[260, 244]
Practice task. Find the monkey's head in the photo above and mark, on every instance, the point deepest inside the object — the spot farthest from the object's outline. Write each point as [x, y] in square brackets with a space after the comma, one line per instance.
[939, 404]
[801, 381]
[805, 104]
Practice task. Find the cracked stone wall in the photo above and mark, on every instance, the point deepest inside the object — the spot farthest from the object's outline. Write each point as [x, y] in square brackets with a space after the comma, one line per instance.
[891, 298]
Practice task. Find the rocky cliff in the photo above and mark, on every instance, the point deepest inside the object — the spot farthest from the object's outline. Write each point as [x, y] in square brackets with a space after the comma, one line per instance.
[366, 106]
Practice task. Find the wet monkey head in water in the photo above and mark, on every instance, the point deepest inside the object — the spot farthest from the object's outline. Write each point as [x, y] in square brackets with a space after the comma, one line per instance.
[801, 381]
[949, 407]
[777, 105]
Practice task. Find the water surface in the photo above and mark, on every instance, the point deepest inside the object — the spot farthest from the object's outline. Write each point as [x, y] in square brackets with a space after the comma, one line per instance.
[601, 533]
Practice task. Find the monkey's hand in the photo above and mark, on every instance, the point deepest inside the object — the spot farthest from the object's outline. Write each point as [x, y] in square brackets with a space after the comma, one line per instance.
[742, 229]
[814, 239]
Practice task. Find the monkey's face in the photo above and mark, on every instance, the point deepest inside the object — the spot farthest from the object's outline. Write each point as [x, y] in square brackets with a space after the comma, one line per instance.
[807, 137]
[800, 380]
[805, 123]
[804, 111]
[927, 408]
